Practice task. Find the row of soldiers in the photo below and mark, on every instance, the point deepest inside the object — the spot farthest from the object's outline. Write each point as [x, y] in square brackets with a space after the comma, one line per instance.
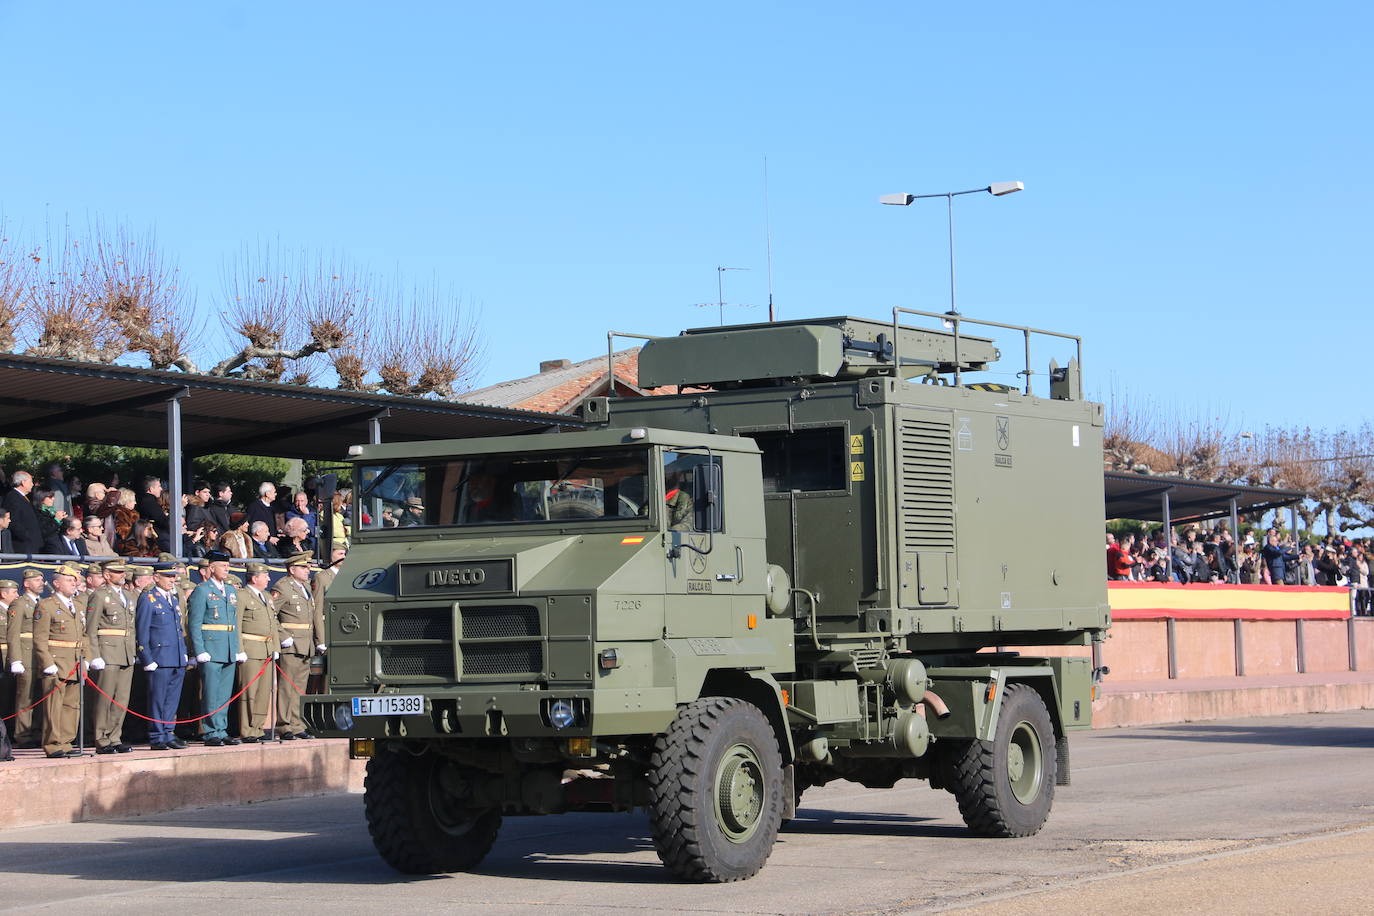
[114, 616]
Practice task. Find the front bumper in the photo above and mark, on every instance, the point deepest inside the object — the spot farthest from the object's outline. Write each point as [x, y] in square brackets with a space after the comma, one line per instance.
[495, 712]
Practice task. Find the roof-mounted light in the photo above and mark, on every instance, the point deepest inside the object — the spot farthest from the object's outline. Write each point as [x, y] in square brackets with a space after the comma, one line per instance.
[638, 432]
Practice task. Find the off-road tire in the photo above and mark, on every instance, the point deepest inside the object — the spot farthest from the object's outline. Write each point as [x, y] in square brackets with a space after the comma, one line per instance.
[407, 830]
[691, 769]
[987, 787]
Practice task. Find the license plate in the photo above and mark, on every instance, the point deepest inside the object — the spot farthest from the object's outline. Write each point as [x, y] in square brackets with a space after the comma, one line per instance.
[388, 706]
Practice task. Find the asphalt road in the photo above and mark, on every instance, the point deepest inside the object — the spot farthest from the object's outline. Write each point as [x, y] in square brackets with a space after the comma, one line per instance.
[1248, 816]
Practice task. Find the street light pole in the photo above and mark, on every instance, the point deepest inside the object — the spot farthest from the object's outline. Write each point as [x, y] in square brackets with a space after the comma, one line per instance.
[997, 189]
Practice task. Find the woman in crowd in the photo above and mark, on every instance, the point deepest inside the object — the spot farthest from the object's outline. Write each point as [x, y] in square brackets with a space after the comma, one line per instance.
[124, 517]
[235, 541]
[49, 517]
[141, 542]
[338, 514]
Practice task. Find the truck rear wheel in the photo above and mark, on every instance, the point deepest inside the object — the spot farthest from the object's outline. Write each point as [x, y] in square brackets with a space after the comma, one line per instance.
[1005, 786]
[417, 816]
[715, 783]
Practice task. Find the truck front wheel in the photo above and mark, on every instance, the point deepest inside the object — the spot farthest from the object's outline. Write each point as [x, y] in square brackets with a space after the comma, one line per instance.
[1005, 786]
[715, 782]
[418, 817]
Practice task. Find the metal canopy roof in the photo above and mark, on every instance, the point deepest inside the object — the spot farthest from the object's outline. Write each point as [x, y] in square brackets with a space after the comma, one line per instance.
[1138, 496]
[121, 405]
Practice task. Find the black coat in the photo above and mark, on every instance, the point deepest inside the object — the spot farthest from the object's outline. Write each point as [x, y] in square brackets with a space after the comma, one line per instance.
[24, 528]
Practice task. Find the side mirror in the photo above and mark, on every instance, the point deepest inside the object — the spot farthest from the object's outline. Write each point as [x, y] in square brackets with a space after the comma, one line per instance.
[706, 494]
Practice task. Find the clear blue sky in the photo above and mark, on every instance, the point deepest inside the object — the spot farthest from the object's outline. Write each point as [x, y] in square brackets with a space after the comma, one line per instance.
[1197, 200]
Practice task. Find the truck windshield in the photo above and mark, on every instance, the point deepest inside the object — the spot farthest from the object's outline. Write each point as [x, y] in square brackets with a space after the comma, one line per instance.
[503, 489]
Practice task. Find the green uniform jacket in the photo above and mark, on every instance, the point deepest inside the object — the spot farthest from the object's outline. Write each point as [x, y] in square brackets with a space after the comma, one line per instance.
[110, 625]
[257, 625]
[295, 608]
[19, 632]
[59, 636]
[212, 621]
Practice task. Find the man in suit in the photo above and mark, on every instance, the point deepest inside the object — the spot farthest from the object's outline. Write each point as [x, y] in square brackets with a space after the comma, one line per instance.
[114, 643]
[6, 539]
[302, 636]
[162, 653]
[261, 542]
[150, 508]
[24, 527]
[260, 641]
[212, 623]
[59, 643]
[67, 542]
[28, 724]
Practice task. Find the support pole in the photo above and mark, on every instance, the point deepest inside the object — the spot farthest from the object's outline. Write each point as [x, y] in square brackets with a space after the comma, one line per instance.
[374, 437]
[1240, 647]
[1302, 647]
[1171, 631]
[1168, 537]
[1235, 542]
[174, 484]
[1350, 643]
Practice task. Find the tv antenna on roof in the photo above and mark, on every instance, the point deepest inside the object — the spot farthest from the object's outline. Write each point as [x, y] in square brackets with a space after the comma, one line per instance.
[720, 302]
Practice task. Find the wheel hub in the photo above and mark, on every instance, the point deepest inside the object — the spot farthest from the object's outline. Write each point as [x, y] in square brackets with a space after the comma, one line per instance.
[1024, 763]
[739, 793]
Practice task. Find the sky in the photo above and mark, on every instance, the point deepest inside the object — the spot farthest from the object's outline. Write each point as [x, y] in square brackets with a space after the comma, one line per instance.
[1197, 187]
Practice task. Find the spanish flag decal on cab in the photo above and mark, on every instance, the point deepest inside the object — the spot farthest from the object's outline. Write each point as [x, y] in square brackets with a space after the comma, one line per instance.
[637, 539]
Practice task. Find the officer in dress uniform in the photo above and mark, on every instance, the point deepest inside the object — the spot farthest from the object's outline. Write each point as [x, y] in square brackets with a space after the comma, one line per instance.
[59, 643]
[212, 622]
[302, 636]
[162, 653]
[9, 591]
[261, 640]
[28, 724]
[113, 641]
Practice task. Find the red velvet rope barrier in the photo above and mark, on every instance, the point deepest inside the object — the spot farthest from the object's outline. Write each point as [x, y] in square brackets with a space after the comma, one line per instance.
[181, 721]
[45, 696]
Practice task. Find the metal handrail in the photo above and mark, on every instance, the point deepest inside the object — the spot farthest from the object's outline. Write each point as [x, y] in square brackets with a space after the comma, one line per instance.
[955, 320]
[610, 355]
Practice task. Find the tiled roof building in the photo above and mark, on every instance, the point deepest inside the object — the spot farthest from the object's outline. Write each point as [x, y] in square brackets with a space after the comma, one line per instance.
[561, 386]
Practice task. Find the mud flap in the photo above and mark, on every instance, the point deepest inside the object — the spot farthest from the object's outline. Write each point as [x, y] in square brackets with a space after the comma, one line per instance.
[789, 792]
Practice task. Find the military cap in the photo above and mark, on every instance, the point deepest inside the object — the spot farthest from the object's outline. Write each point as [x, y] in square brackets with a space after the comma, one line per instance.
[166, 557]
[216, 556]
[141, 570]
[235, 581]
[68, 570]
[9, 583]
[201, 563]
[116, 565]
[254, 569]
[31, 573]
[93, 569]
[415, 502]
[165, 569]
[299, 559]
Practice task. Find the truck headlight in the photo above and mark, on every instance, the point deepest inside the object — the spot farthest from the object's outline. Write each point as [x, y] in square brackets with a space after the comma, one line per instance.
[562, 714]
[343, 717]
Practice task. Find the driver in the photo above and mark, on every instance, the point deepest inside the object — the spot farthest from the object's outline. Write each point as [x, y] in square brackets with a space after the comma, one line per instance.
[412, 513]
[679, 504]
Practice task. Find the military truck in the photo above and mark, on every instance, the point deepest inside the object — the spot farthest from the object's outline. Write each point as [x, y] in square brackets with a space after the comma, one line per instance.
[812, 556]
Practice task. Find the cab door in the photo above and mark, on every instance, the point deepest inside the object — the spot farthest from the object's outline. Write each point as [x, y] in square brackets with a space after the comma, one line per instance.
[702, 571]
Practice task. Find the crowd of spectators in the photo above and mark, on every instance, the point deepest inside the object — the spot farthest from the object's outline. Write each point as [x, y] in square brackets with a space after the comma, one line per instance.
[1200, 555]
[113, 520]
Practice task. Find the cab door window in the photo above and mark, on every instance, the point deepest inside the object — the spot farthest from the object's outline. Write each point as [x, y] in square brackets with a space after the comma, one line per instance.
[693, 491]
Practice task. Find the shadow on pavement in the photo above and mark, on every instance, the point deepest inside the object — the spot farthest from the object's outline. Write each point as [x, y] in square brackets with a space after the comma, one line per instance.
[1279, 735]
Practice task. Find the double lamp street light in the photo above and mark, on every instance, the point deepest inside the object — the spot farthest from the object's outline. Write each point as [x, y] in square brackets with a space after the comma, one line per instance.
[997, 189]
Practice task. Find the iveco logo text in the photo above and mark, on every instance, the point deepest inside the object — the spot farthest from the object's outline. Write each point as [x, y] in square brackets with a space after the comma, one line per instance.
[438, 578]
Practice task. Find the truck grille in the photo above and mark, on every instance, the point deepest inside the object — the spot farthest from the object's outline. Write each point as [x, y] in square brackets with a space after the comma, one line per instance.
[419, 623]
[500, 622]
[497, 658]
[417, 661]
[495, 641]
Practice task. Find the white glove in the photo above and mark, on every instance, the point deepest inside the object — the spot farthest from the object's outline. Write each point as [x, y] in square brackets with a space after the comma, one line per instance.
[151, 666]
[321, 649]
[16, 667]
[288, 642]
[190, 662]
[51, 669]
[241, 657]
[97, 664]
[203, 657]
[276, 655]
